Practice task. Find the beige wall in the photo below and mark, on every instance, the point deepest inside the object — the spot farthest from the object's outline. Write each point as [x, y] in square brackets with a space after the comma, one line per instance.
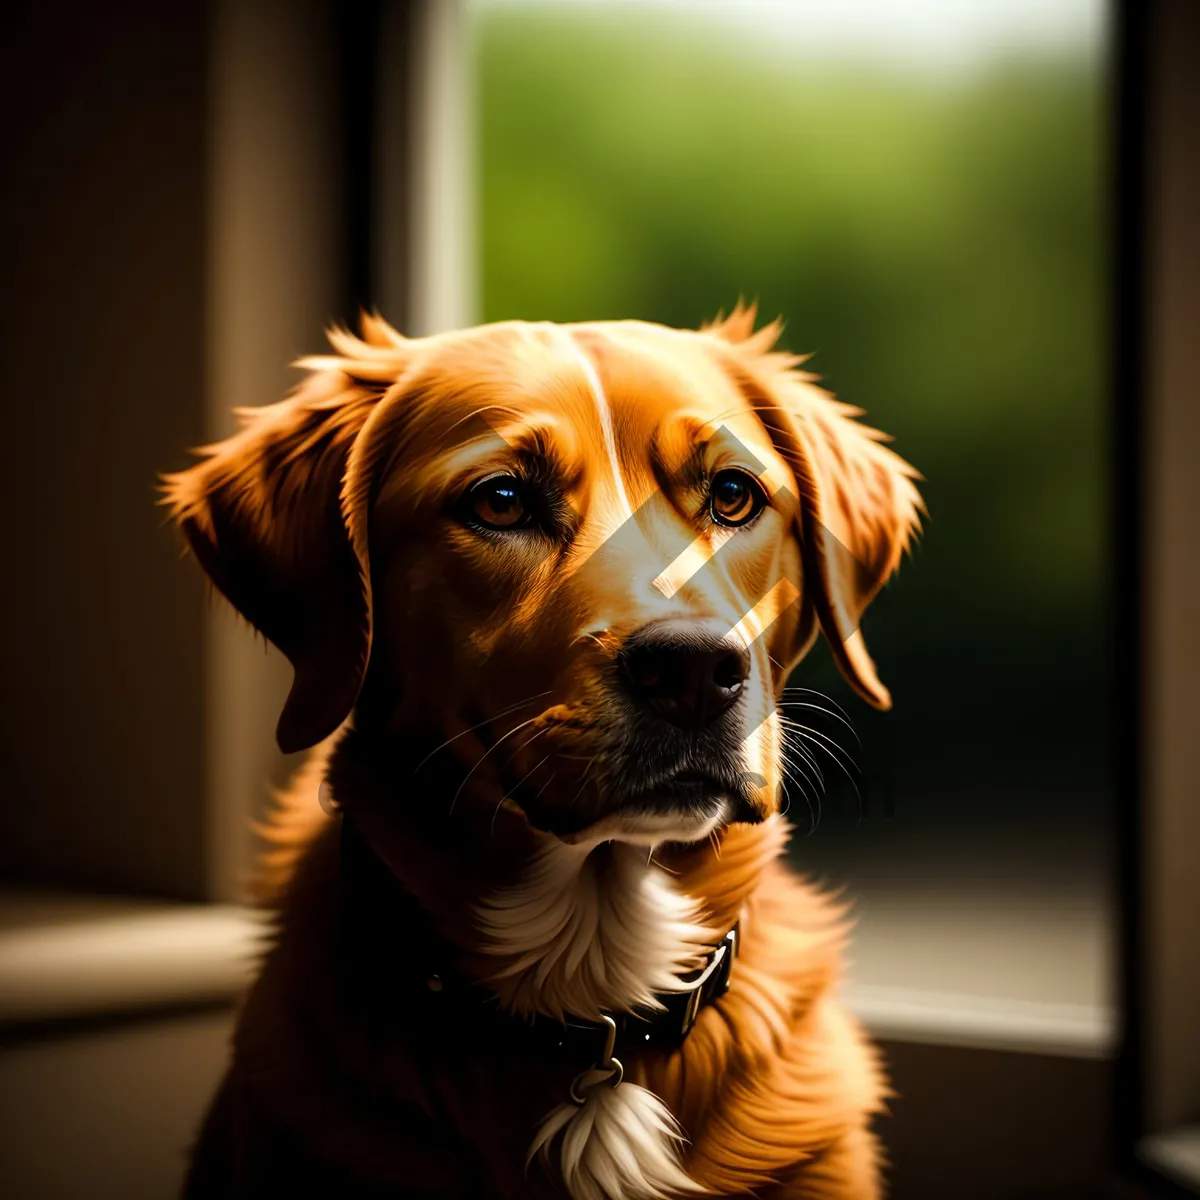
[102, 377]
[174, 236]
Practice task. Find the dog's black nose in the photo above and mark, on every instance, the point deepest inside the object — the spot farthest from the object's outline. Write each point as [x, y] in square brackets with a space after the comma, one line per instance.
[689, 672]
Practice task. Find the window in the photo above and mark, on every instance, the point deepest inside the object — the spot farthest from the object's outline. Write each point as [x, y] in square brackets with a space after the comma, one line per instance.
[920, 190]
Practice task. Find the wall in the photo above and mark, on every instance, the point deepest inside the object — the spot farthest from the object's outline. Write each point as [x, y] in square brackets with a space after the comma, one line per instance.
[102, 377]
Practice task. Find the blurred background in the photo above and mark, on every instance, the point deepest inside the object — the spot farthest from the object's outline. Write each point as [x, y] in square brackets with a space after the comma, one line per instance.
[944, 200]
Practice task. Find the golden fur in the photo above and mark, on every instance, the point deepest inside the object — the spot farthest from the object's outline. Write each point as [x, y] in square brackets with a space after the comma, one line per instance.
[324, 522]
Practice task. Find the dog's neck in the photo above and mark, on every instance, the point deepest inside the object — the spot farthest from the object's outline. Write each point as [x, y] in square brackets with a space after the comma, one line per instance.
[549, 927]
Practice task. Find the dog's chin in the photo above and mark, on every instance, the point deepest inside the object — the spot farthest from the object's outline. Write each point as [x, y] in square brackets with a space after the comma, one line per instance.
[640, 826]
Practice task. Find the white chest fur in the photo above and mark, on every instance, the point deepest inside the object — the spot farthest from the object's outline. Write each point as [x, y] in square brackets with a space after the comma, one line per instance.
[589, 930]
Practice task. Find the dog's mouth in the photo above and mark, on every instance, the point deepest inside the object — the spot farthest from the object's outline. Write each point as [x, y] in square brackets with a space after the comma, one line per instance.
[687, 781]
[686, 806]
[685, 791]
[575, 780]
[643, 826]
[693, 786]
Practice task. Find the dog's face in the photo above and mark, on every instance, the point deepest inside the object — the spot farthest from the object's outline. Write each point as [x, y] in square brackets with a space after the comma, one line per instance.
[590, 532]
[585, 557]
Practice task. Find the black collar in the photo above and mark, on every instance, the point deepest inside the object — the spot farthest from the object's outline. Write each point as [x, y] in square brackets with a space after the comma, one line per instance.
[446, 997]
[585, 1041]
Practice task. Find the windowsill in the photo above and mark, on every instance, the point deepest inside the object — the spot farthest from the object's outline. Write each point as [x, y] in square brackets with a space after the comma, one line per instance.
[1175, 1154]
[927, 972]
[69, 956]
[984, 965]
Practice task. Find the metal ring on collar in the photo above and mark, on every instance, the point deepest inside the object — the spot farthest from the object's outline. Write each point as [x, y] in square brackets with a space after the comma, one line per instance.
[616, 1074]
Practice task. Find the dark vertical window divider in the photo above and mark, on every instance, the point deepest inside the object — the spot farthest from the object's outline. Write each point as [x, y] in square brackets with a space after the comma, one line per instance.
[1126, 504]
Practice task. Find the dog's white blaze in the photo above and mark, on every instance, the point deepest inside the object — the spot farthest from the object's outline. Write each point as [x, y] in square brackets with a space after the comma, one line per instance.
[604, 412]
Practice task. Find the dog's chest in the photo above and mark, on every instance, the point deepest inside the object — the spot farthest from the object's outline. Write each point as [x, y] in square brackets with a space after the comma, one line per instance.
[590, 933]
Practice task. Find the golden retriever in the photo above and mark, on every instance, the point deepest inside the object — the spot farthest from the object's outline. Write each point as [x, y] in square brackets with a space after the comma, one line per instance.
[542, 587]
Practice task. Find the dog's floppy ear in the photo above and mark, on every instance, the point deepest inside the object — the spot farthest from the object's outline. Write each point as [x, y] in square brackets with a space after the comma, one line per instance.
[859, 507]
[271, 518]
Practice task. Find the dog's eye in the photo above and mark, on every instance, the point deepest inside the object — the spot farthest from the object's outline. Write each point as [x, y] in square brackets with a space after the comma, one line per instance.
[735, 498]
[498, 502]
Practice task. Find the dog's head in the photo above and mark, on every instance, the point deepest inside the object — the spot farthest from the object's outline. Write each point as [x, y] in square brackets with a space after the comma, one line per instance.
[592, 553]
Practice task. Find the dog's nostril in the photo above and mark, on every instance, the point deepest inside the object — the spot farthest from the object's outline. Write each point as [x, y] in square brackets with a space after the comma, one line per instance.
[729, 671]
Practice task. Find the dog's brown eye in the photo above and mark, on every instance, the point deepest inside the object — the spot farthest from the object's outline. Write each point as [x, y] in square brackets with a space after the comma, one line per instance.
[498, 502]
[735, 498]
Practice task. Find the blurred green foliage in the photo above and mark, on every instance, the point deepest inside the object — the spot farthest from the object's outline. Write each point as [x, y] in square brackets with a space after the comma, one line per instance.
[938, 243]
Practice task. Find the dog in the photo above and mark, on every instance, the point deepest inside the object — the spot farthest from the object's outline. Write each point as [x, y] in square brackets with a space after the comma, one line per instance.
[542, 587]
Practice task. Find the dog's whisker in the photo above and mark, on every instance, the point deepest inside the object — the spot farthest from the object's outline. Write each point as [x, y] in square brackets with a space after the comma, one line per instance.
[818, 745]
[811, 794]
[839, 717]
[795, 687]
[778, 666]
[533, 737]
[517, 786]
[793, 690]
[791, 704]
[809, 757]
[812, 817]
[834, 710]
[813, 773]
[594, 638]
[583, 779]
[493, 746]
[803, 759]
[809, 745]
[795, 742]
[824, 742]
[504, 712]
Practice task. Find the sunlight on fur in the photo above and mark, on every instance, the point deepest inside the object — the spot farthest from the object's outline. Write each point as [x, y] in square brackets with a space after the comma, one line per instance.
[622, 1143]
